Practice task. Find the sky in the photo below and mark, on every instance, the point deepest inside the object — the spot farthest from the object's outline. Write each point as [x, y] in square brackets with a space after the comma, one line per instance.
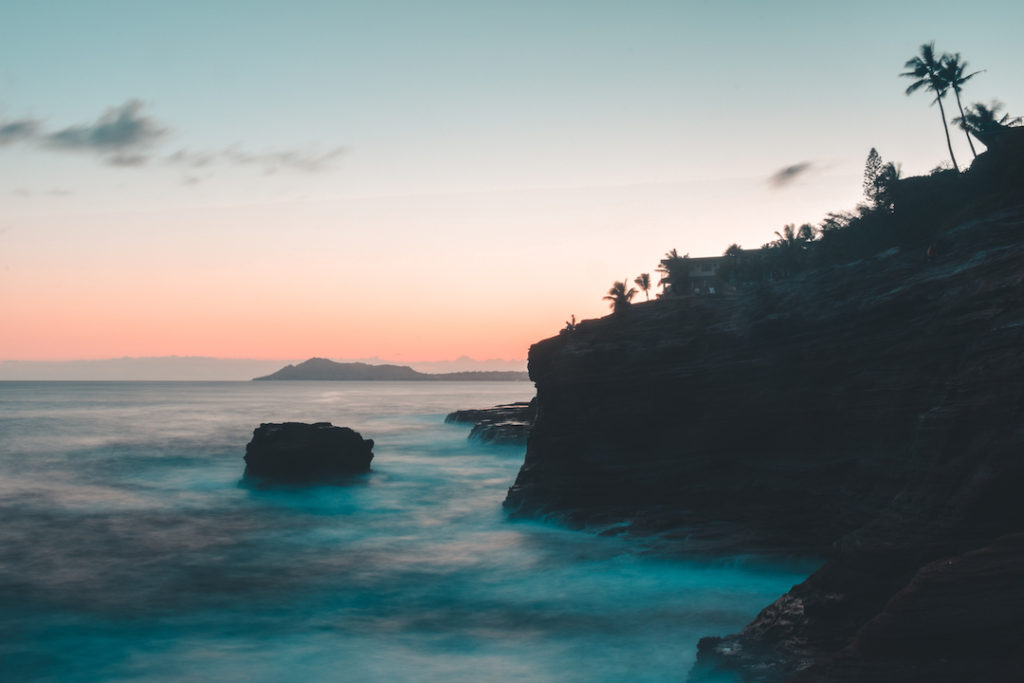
[421, 181]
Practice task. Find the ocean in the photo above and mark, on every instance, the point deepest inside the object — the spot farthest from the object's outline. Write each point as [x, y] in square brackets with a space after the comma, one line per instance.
[129, 550]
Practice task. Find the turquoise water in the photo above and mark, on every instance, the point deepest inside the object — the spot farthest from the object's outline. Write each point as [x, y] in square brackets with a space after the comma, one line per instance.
[128, 549]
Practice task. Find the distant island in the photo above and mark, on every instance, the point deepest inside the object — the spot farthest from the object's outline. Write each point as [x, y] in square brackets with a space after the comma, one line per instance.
[324, 369]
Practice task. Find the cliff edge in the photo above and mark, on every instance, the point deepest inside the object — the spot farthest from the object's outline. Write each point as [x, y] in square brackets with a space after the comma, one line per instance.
[868, 412]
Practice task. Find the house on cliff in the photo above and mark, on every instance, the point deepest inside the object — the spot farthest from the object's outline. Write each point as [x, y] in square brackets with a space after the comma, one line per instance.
[706, 275]
[702, 277]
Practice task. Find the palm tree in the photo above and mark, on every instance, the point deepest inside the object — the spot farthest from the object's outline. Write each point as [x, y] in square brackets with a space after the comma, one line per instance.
[732, 259]
[643, 281]
[951, 70]
[926, 70]
[619, 297]
[788, 250]
[673, 269]
[789, 238]
[980, 119]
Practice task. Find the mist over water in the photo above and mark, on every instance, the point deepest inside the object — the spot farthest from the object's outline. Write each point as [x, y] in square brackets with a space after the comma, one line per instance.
[129, 550]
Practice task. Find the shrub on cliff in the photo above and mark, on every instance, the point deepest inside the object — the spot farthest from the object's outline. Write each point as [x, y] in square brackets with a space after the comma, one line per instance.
[788, 253]
[619, 296]
[674, 270]
[643, 281]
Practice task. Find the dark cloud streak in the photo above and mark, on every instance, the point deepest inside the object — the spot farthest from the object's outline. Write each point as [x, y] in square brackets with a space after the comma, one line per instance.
[785, 176]
[119, 128]
[17, 131]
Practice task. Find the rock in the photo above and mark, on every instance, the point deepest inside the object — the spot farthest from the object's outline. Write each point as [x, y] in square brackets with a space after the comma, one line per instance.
[501, 433]
[957, 619]
[507, 424]
[300, 452]
[511, 412]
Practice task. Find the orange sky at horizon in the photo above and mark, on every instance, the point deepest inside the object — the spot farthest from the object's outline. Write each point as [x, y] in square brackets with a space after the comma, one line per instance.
[132, 323]
[429, 278]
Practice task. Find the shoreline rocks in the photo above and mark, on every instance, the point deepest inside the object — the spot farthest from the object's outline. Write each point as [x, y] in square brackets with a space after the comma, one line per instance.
[297, 452]
[507, 424]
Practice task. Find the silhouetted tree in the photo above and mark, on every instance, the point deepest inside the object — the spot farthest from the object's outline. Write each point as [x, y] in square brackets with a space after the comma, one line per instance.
[951, 70]
[786, 254]
[732, 269]
[834, 221]
[872, 169]
[886, 182]
[789, 238]
[925, 69]
[674, 270]
[980, 119]
[879, 180]
[619, 296]
[643, 281]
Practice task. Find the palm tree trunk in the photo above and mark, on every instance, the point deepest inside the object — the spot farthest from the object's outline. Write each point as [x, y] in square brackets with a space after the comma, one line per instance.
[945, 127]
[961, 108]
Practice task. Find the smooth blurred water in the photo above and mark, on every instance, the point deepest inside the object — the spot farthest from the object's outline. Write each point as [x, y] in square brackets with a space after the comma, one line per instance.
[128, 549]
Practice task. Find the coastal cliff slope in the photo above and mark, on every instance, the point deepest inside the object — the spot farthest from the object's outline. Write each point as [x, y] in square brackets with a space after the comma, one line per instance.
[871, 413]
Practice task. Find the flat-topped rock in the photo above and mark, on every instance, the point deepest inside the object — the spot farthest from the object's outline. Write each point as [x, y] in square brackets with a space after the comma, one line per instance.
[507, 412]
[301, 452]
[507, 424]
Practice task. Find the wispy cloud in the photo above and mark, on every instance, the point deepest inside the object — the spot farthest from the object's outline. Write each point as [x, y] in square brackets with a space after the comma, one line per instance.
[184, 157]
[125, 136]
[785, 176]
[16, 131]
[128, 160]
[290, 159]
[270, 161]
[55, 192]
[120, 134]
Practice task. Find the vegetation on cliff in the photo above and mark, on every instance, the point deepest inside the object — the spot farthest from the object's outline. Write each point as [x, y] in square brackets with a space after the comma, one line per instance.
[897, 212]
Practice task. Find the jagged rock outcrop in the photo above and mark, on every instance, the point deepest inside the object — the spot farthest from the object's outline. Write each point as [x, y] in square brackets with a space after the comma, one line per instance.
[507, 424]
[300, 452]
[958, 618]
[871, 413]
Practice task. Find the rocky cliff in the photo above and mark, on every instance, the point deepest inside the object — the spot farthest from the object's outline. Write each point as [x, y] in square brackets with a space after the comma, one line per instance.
[870, 412]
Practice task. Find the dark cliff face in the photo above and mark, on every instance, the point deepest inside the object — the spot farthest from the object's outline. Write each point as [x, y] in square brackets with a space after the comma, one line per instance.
[869, 412]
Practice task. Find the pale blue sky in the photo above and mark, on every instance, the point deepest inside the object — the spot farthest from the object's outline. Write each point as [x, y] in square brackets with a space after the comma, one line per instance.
[573, 142]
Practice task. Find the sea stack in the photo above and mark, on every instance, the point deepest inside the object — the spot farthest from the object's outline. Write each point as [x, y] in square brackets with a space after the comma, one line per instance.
[300, 452]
